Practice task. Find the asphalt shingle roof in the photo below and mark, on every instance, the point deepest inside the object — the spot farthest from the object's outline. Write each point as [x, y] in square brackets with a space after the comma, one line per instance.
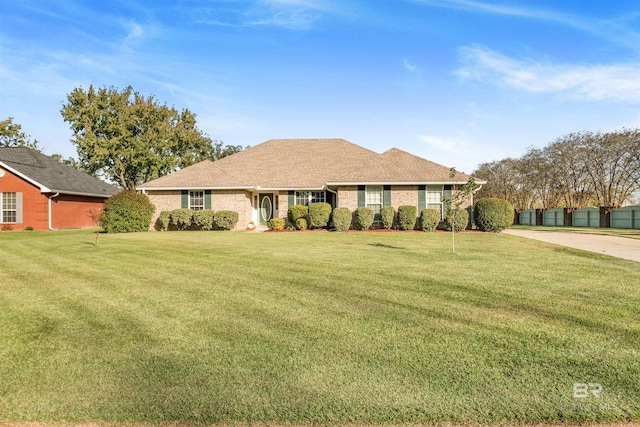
[52, 174]
[306, 163]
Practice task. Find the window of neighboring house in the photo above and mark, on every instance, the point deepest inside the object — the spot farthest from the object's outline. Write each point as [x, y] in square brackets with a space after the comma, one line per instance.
[373, 199]
[308, 197]
[9, 207]
[434, 198]
[196, 200]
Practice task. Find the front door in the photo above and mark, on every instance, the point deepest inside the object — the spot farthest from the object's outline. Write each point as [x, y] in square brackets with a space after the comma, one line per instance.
[265, 208]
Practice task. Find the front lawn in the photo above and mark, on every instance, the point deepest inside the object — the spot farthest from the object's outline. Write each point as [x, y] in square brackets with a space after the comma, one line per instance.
[314, 328]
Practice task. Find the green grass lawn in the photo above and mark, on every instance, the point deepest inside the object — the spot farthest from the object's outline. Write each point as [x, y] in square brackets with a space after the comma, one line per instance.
[313, 328]
[620, 232]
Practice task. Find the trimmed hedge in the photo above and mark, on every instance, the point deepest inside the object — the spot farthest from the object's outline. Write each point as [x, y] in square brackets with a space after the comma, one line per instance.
[407, 216]
[341, 218]
[126, 212]
[296, 212]
[429, 219]
[181, 218]
[319, 215]
[363, 218]
[493, 215]
[163, 221]
[275, 224]
[461, 220]
[225, 220]
[301, 224]
[203, 219]
[388, 217]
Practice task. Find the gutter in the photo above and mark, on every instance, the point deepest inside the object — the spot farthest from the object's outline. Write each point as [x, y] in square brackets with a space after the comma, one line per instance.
[51, 197]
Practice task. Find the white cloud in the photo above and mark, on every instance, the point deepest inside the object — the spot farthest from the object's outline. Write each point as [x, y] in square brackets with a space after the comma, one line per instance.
[412, 68]
[619, 82]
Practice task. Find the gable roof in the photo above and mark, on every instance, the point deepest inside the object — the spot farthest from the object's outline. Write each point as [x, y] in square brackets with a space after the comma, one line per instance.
[50, 175]
[306, 164]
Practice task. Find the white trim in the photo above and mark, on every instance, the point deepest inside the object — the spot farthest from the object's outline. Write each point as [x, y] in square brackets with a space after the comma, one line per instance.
[42, 188]
[404, 183]
[77, 193]
[49, 198]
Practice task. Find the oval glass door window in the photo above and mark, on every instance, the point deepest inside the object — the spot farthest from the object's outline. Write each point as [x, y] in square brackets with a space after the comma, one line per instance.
[266, 208]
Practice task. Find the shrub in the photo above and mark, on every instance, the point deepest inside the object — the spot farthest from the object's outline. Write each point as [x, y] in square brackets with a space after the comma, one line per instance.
[276, 224]
[301, 224]
[181, 218]
[163, 221]
[388, 217]
[29, 228]
[407, 216]
[493, 214]
[126, 212]
[225, 220]
[341, 218]
[203, 220]
[363, 218]
[296, 212]
[319, 215]
[429, 219]
[6, 227]
[461, 220]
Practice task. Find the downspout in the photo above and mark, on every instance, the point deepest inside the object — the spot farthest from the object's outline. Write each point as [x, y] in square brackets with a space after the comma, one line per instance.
[473, 220]
[51, 197]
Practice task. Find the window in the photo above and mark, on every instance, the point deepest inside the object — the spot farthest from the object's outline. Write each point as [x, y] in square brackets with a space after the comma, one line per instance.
[9, 207]
[373, 199]
[308, 197]
[434, 198]
[196, 200]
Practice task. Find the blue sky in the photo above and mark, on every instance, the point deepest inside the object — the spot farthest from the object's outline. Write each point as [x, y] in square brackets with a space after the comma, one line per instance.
[459, 82]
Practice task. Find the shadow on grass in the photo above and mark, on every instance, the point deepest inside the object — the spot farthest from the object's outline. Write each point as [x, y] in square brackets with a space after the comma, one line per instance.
[382, 245]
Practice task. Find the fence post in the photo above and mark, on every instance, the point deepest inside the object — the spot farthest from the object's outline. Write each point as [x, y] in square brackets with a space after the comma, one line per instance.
[568, 217]
[539, 218]
[605, 216]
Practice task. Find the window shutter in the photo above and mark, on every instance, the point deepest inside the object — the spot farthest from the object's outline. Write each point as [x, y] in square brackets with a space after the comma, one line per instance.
[386, 196]
[207, 199]
[422, 198]
[447, 192]
[361, 196]
[19, 208]
[185, 199]
[291, 198]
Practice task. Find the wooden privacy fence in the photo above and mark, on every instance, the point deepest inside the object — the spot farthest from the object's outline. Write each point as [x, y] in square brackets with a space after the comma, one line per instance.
[627, 217]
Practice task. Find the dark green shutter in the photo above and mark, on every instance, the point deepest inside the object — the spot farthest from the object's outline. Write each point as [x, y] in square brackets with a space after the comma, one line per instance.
[207, 199]
[291, 198]
[447, 192]
[422, 198]
[361, 196]
[386, 196]
[185, 199]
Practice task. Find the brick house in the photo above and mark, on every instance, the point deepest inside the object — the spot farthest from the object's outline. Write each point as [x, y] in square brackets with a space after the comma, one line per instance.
[38, 191]
[263, 181]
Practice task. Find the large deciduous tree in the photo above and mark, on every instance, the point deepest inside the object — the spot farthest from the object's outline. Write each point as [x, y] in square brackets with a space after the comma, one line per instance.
[11, 135]
[130, 139]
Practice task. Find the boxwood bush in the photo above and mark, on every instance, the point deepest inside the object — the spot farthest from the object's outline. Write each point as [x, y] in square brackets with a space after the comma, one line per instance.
[163, 221]
[319, 215]
[363, 218]
[492, 214]
[296, 212]
[126, 212]
[301, 224]
[388, 217]
[275, 224]
[407, 216]
[181, 219]
[429, 219]
[461, 220]
[225, 220]
[341, 218]
[203, 220]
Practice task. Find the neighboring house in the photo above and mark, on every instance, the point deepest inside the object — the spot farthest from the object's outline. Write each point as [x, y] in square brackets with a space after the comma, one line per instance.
[263, 181]
[40, 192]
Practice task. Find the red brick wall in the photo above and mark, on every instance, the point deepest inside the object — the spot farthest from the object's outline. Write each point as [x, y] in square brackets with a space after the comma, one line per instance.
[66, 211]
[74, 211]
[34, 204]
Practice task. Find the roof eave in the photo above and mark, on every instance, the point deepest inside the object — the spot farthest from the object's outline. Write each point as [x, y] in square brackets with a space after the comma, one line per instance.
[43, 188]
[78, 193]
[336, 183]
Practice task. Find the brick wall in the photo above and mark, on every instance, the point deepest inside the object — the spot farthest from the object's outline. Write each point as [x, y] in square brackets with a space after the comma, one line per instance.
[164, 201]
[404, 195]
[234, 200]
[348, 197]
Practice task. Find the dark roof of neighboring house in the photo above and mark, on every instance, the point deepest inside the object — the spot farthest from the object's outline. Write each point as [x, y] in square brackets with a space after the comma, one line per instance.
[306, 163]
[50, 175]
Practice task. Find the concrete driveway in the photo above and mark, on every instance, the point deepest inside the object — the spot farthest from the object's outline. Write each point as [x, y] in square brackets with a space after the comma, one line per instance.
[620, 247]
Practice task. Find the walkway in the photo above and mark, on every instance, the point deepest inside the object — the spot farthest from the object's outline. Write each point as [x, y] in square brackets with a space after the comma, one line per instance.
[620, 247]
